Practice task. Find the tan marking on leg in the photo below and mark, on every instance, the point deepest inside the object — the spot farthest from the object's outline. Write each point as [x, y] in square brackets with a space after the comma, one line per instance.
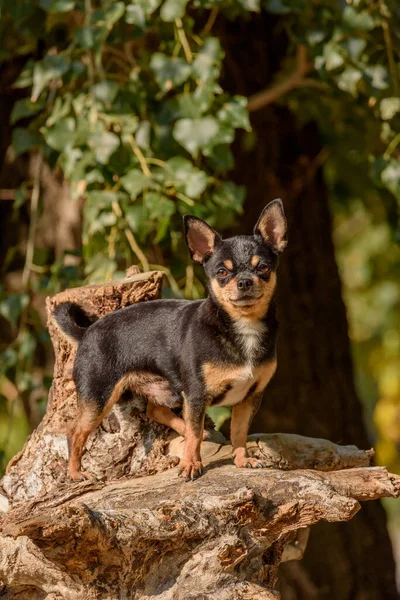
[242, 415]
[165, 416]
[85, 423]
[229, 264]
[190, 465]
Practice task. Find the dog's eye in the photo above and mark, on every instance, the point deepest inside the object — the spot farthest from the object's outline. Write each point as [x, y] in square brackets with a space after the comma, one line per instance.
[263, 269]
[222, 273]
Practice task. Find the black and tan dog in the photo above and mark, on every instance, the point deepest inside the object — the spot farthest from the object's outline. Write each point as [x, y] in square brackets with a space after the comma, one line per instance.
[215, 352]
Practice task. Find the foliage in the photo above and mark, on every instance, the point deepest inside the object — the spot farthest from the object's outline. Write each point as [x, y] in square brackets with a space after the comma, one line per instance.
[126, 99]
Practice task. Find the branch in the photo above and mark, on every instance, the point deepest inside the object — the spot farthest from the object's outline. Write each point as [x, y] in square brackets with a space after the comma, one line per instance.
[293, 81]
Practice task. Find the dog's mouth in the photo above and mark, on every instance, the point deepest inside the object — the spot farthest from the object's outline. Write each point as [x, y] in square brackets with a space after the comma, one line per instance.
[246, 300]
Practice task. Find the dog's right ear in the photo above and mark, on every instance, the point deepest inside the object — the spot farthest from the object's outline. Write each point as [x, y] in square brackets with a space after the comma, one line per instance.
[200, 238]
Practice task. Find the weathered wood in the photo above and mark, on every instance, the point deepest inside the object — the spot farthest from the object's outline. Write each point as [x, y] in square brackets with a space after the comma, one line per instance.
[140, 532]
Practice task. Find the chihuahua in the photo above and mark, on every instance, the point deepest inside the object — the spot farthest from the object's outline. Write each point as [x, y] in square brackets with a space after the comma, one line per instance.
[220, 351]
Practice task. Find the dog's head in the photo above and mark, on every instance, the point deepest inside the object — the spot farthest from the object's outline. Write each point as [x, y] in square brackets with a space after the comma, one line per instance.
[241, 270]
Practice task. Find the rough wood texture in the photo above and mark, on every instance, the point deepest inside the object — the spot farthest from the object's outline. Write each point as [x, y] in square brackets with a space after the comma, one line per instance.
[141, 532]
[125, 439]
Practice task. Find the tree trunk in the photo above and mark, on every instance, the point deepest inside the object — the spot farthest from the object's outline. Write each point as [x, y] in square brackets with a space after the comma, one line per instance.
[140, 531]
[313, 391]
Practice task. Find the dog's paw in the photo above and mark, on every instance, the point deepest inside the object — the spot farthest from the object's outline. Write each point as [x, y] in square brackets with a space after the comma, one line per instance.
[190, 470]
[82, 476]
[245, 462]
[207, 435]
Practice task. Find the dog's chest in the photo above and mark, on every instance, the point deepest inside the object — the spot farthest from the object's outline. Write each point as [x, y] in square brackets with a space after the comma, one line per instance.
[249, 336]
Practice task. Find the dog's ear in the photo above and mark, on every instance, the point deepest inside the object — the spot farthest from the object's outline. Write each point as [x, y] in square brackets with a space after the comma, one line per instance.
[272, 226]
[200, 238]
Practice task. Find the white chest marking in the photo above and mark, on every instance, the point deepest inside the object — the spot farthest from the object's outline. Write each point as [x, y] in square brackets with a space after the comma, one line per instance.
[249, 334]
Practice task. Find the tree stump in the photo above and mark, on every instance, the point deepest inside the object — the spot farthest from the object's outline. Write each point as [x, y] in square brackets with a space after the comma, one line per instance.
[140, 532]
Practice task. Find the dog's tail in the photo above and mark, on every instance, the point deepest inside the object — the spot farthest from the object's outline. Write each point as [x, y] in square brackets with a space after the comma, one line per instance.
[72, 320]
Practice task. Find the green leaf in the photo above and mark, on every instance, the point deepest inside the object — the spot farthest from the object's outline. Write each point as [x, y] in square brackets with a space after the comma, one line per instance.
[134, 214]
[135, 182]
[389, 107]
[53, 66]
[191, 180]
[250, 5]
[58, 6]
[101, 198]
[61, 109]
[173, 9]
[25, 78]
[349, 79]
[103, 144]
[24, 140]
[113, 13]
[24, 108]
[134, 15]
[158, 206]
[11, 307]
[146, 6]
[235, 113]
[169, 72]
[105, 91]
[333, 56]
[379, 76]
[84, 37]
[391, 177]
[195, 134]
[207, 64]
[61, 136]
[229, 195]
[360, 21]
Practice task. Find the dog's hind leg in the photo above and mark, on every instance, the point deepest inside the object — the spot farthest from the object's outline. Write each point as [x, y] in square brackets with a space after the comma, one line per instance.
[165, 416]
[89, 417]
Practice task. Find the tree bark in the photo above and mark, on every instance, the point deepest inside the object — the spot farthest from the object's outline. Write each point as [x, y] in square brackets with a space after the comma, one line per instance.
[313, 391]
[140, 532]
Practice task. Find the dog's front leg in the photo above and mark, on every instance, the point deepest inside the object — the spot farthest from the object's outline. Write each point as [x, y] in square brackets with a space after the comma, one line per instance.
[190, 465]
[242, 415]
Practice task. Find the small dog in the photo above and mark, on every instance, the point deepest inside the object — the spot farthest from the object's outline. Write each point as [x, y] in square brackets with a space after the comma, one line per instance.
[220, 351]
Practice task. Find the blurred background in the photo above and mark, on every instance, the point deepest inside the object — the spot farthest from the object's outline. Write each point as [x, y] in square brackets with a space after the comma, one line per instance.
[118, 118]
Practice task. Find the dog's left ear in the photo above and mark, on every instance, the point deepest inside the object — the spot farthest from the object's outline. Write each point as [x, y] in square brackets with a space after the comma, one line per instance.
[272, 226]
[200, 238]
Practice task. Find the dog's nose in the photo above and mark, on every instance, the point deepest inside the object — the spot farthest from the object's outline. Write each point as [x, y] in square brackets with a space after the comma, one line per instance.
[245, 284]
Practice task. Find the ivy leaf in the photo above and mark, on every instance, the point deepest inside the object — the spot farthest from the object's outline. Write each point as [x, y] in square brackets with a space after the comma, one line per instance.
[61, 136]
[103, 144]
[158, 206]
[24, 108]
[235, 114]
[59, 6]
[24, 140]
[389, 107]
[349, 79]
[146, 6]
[190, 179]
[135, 182]
[105, 91]
[358, 20]
[195, 134]
[169, 72]
[207, 64]
[229, 195]
[61, 109]
[277, 7]
[379, 76]
[173, 9]
[44, 71]
[250, 5]
[134, 15]
[391, 177]
[12, 307]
